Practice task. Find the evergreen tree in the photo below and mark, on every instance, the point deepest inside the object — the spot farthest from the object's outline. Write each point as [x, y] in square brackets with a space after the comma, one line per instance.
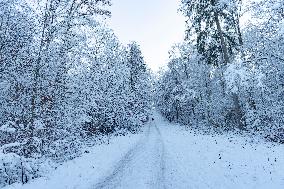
[136, 64]
[139, 80]
[214, 26]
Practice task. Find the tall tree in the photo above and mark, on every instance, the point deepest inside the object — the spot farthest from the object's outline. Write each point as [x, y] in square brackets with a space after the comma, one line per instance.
[139, 79]
[213, 26]
[136, 63]
[60, 23]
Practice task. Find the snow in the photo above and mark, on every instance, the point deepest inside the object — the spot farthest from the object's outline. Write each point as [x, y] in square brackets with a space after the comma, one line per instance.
[281, 27]
[8, 127]
[39, 124]
[3, 147]
[84, 171]
[223, 161]
[8, 158]
[141, 167]
[236, 74]
[169, 156]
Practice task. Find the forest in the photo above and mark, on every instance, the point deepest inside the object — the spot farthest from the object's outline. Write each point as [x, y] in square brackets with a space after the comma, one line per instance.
[67, 82]
[227, 74]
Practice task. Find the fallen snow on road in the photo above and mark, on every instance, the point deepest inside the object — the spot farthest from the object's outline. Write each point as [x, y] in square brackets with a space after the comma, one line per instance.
[142, 167]
[168, 156]
[85, 171]
[223, 161]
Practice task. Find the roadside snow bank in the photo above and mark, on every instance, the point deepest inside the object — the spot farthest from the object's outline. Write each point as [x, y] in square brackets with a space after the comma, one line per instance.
[223, 161]
[84, 171]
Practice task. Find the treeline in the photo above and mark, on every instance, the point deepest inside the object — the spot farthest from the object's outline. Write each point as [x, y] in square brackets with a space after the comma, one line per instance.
[64, 79]
[227, 74]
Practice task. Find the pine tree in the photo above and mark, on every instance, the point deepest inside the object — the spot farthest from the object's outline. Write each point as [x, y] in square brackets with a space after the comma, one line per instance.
[136, 64]
[213, 26]
[139, 80]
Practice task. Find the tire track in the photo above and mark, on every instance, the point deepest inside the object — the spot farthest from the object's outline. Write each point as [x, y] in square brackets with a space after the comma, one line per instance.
[142, 166]
[161, 173]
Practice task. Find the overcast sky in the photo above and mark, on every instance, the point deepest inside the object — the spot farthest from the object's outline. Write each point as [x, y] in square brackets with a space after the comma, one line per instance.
[155, 24]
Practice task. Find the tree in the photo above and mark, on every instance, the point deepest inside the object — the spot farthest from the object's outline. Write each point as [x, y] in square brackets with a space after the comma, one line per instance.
[214, 27]
[17, 31]
[58, 40]
[136, 64]
[139, 81]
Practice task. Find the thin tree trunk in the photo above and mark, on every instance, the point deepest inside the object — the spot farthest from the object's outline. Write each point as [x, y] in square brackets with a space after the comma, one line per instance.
[224, 50]
[236, 101]
[223, 45]
[36, 71]
[238, 111]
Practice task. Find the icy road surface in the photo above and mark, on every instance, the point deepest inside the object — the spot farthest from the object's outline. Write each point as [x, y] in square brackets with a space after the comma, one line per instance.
[167, 156]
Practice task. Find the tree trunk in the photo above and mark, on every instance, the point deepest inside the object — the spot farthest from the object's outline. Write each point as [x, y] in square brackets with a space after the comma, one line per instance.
[223, 45]
[237, 107]
[37, 70]
[237, 110]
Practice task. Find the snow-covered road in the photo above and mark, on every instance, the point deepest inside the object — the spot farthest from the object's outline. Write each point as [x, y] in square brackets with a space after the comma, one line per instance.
[141, 167]
[167, 156]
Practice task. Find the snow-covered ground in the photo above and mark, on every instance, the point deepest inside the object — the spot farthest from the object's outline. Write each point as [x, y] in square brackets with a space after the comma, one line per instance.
[167, 156]
[224, 161]
[84, 171]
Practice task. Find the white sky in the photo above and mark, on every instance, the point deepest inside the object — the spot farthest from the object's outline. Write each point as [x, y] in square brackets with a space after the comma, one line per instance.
[155, 24]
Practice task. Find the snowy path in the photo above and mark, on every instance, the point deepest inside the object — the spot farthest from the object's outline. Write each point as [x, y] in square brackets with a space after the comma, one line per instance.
[167, 156]
[142, 166]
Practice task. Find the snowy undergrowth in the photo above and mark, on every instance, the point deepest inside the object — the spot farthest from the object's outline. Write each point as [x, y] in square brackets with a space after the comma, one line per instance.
[83, 171]
[221, 161]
